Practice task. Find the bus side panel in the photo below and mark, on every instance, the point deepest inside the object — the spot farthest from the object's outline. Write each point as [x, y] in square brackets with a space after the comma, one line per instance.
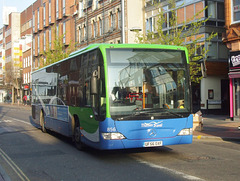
[57, 119]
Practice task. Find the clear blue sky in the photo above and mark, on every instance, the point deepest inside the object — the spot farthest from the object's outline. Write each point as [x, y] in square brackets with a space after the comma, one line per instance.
[19, 4]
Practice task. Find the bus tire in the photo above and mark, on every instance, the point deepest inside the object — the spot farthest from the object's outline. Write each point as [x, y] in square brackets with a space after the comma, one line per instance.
[77, 136]
[42, 123]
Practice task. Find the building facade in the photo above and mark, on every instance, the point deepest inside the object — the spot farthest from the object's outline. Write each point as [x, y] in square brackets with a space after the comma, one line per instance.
[51, 19]
[232, 41]
[214, 69]
[107, 21]
[11, 67]
[26, 44]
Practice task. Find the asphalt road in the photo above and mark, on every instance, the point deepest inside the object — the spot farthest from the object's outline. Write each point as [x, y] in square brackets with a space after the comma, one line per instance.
[28, 154]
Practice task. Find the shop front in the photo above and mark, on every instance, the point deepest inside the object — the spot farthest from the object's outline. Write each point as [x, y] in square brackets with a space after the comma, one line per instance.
[234, 83]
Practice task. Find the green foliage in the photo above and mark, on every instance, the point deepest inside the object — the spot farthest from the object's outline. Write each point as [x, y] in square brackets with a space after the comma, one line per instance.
[186, 33]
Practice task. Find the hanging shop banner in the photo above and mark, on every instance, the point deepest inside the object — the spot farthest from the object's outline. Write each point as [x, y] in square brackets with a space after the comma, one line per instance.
[234, 61]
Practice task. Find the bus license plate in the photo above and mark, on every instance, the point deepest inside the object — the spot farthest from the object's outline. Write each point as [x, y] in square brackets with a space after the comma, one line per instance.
[152, 143]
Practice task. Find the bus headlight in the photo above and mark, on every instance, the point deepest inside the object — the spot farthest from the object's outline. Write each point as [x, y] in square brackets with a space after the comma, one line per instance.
[187, 131]
[113, 136]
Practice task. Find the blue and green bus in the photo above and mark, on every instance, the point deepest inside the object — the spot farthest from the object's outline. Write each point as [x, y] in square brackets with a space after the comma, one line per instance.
[117, 96]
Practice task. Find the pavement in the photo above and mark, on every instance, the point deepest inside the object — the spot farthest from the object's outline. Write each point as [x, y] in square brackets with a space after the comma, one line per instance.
[218, 127]
[215, 127]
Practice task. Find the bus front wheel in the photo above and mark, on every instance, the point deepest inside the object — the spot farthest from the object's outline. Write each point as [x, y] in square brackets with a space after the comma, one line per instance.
[77, 136]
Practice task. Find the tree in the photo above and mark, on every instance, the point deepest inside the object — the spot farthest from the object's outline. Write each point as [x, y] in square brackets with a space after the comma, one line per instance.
[181, 33]
[58, 52]
[13, 80]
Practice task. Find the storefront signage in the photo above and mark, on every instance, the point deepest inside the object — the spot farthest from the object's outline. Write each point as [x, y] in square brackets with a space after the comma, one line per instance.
[234, 60]
[26, 87]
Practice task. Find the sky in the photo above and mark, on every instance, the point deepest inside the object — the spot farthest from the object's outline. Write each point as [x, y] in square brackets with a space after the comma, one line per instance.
[19, 4]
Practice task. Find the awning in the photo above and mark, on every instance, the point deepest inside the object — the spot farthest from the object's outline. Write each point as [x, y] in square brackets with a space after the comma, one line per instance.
[233, 75]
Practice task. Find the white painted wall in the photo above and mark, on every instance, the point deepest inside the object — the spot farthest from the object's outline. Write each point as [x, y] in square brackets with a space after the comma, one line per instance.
[211, 82]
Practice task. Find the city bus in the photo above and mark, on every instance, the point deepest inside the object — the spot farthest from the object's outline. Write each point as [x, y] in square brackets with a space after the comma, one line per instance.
[116, 96]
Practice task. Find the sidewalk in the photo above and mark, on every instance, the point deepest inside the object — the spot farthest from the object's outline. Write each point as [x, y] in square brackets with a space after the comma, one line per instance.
[218, 127]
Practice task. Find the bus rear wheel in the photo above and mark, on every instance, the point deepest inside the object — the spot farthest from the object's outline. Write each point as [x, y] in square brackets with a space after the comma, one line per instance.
[42, 123]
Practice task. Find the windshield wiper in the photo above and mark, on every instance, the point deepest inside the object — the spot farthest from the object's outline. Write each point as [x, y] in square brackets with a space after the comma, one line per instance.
[147, 111]
[132, 115]
[173, 113]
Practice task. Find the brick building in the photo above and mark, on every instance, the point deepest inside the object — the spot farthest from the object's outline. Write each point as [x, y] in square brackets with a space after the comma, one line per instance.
[26, 44]
[232, 40]
[51, 19]
[104, 21]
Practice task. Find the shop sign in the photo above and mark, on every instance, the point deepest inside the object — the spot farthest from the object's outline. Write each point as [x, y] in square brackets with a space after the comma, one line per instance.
[234, 60]
[26, 87]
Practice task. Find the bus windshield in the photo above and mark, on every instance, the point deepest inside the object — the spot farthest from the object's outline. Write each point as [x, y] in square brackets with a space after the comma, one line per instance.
[153, 81]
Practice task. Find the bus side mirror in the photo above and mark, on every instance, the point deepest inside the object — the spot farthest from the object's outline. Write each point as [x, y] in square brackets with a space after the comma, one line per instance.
[94, 83]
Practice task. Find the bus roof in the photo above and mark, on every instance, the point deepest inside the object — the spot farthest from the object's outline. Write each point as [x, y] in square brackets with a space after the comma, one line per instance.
[103, 46]
[92, 46]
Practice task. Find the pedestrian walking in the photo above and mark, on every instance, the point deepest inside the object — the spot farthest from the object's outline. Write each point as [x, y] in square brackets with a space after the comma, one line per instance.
[25, 100]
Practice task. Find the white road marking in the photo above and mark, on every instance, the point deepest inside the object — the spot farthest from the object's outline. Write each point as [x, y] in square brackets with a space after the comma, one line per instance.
[183, 175]
[5, 121]
[16, 169]
[18, 120]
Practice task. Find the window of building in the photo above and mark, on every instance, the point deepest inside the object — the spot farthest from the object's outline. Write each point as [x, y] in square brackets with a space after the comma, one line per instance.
[57, 9]
[100, 27]
[80, 9]
[33, 21]
[236, 11]
[213, 51]
[64, 32]
[150, 24]
[220, 11]
[38, 43]
[49, 11]
[44, 41]
[38, 14]
[85, 32]
[212, 9]
[94, 29]
[79, 34]
[112, 20]
[44, 14]
[119, 15]
[57, 30]
[180, 3]
[50, 38]
[33, 45]
[64, 7]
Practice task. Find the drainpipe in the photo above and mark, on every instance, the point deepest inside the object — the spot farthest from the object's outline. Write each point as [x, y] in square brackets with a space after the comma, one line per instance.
[123, 22]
